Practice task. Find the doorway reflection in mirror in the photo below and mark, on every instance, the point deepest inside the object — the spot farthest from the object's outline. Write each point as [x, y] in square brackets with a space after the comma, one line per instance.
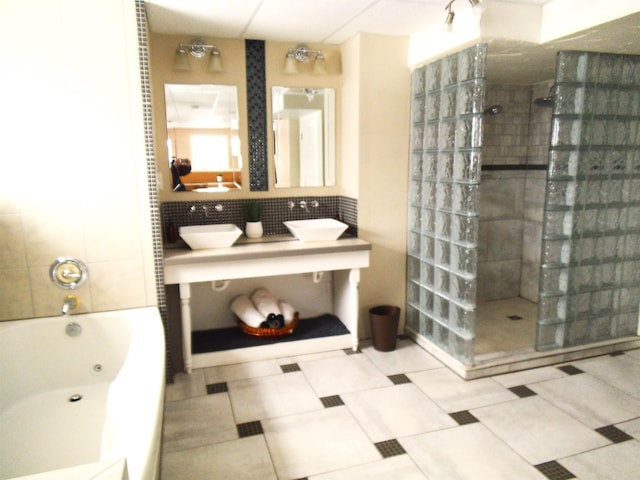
[304, 136]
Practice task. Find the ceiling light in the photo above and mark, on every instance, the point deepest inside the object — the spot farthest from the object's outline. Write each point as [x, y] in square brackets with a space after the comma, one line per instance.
[450, 13]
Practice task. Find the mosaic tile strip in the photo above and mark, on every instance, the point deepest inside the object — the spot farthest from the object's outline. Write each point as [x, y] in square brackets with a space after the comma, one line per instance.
[554, 471]
[276, 211]
[249, 429]
[399, 379]
[614, 434]
[292, 367]
[332, 401]
[156, 225]
[523, 391]
[390, 448]
[257, 115]
[464, 417]
[213, 388]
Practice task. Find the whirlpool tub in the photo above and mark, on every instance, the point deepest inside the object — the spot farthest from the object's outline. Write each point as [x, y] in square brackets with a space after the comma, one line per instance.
[81, 396]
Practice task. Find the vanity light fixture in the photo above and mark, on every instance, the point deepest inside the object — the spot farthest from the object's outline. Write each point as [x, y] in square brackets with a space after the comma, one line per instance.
[302, 54]
[197, 49]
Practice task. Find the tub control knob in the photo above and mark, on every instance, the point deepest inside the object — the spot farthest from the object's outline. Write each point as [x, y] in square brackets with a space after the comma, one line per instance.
[68, 273]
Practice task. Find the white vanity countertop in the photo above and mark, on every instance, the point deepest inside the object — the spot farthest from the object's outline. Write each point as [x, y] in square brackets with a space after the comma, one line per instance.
[267, 247]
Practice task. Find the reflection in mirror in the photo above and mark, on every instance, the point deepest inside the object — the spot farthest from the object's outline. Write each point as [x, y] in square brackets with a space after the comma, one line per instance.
[304, 136]
[203, 141]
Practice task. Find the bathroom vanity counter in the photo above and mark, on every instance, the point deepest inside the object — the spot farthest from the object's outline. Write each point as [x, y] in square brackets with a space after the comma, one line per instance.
[344, 257]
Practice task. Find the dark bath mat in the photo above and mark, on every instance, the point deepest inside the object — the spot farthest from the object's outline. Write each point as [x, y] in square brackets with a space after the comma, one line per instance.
[229, 338]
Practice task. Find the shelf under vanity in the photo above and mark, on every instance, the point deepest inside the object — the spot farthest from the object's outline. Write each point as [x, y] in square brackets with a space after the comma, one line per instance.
[343, 257]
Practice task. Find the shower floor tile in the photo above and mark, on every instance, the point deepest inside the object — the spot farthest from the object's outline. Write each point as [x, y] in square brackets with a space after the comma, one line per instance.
[497, 333]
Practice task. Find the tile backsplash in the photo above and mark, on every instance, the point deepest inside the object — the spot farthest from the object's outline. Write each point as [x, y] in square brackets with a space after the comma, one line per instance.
[276, 210]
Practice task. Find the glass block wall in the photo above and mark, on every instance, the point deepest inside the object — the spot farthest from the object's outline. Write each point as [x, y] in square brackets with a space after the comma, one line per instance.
[446, 145]
[590, 274]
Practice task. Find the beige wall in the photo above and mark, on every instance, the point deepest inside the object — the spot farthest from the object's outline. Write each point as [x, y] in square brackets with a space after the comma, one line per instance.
[232, 51]
[382, 148]
[72, 126]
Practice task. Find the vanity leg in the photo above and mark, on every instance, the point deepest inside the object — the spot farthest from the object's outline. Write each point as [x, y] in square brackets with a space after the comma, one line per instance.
[185, 311]
[345, 297]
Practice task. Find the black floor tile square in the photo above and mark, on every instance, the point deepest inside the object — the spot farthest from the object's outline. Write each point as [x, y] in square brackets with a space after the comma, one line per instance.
[570, 369]
[390, 448]
[464, 417]
[399, 379]
[349, 351]
[514, 317]
[249, 429]
[217, 388]
[332, 401]
[614, 434]
[616, 354]
[523, 391]
[291, 367]
[554, 471]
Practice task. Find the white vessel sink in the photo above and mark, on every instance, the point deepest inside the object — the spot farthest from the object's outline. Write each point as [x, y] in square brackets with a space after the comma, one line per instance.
[200, 237]
[321, 229]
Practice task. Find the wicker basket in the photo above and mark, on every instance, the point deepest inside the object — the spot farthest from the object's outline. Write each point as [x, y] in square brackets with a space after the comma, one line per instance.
[270, 332]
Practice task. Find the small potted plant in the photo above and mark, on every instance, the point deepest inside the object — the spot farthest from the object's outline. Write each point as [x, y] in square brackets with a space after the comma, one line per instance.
[253, 215]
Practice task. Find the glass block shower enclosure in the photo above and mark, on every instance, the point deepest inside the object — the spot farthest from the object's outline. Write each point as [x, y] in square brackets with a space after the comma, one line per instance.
[590, 274]
[446, 148]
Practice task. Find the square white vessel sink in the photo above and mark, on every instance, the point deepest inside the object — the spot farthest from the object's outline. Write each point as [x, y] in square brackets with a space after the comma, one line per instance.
[321, 229]
[200, 237]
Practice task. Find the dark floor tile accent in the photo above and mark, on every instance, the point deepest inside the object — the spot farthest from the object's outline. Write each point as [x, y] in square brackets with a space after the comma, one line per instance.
[464, 417]
[403, 336]
[332, 401]
[390, 448]
[291, 367]
[514, 317]
[349, 351]
[554, 471]
[616, 354]
[570, 369]
[399, 379]
[614, 434]
[217, 388]
[249, 429]
[523, 391]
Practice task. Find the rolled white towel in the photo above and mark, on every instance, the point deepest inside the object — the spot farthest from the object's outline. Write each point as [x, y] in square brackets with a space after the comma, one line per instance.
[265, 302]
[243, 307]
[287, 311]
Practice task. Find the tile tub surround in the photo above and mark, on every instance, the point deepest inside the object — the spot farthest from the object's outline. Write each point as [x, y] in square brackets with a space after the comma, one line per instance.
[521, 425]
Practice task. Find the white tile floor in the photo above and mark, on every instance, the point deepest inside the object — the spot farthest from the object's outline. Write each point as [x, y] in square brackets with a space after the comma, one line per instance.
[402, 415]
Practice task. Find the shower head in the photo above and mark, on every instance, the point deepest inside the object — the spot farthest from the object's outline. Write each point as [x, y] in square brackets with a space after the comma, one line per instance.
[493, 110]
[545, 101]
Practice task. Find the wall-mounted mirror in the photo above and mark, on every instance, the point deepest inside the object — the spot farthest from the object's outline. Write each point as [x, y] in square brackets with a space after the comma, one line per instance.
[203, 140]
[304, 136]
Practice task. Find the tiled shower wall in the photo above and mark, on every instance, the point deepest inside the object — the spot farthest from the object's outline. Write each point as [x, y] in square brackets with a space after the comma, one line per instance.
[590, 280]
[446, 146]
[515, 143]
